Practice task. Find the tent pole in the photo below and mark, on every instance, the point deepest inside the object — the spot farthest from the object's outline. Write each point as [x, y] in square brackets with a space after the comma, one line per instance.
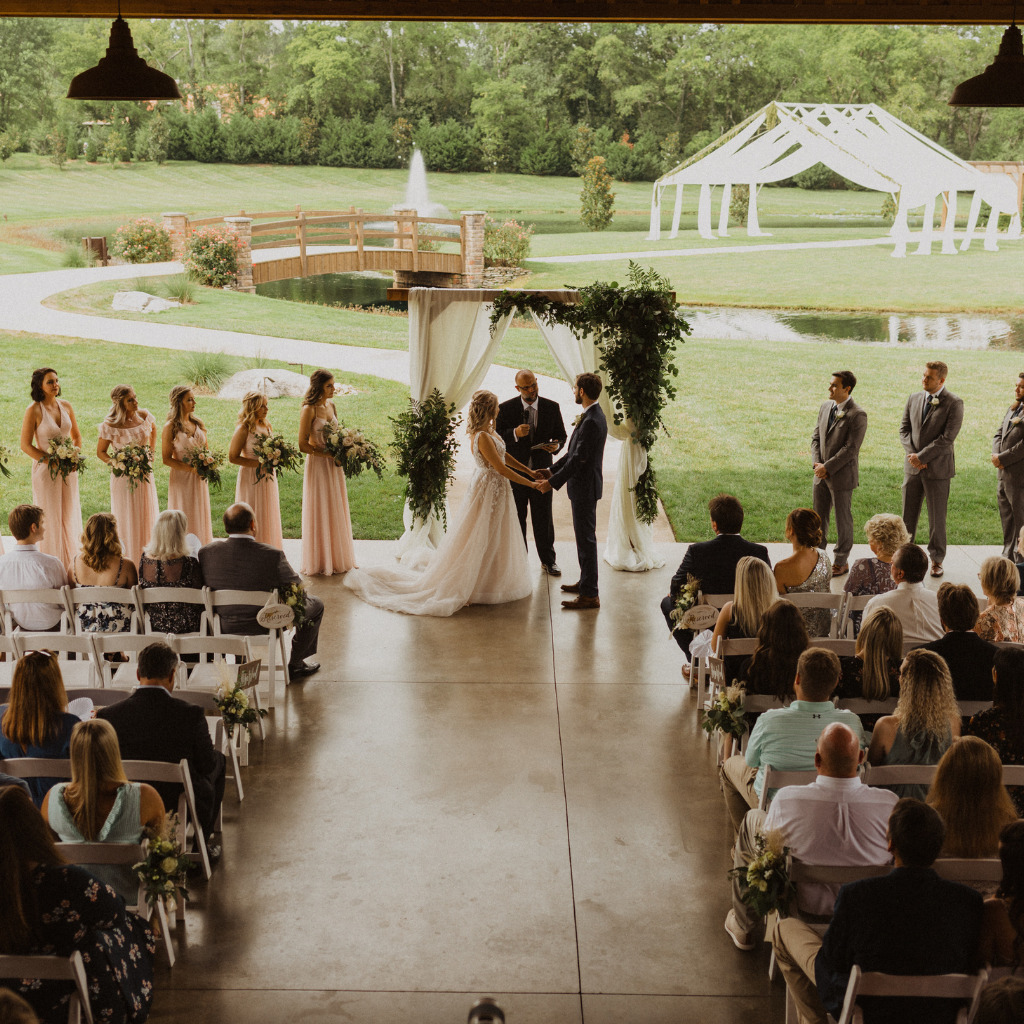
[723, 214]
[677, 211]
[704, 212]
[949, 222]
[655, 231]
[924, 247]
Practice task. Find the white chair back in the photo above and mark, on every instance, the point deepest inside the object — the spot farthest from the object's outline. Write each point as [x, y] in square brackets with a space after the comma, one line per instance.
[121, 672]
[63, 644]
[840, 647]
[833, 602]
[217, 647]
[860, 706]
[15, 596]
[964, 987]
[146, 597]
[54, 968]
[774, 779]
[853, 603]
[899, 774]
[969, 708]
[78, 596]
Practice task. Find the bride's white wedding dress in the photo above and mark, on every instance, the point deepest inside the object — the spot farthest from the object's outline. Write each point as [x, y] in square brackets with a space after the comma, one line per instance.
[482, 559]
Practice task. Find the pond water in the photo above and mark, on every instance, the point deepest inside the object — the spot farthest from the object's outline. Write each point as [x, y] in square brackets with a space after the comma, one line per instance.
[952, 331]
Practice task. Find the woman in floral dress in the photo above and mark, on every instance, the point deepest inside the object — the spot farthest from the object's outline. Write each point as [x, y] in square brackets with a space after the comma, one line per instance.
[262, 495]
[1002, 619]
[185, 489]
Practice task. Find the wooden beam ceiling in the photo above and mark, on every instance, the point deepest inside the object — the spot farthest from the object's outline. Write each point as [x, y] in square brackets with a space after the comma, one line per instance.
[943, 12]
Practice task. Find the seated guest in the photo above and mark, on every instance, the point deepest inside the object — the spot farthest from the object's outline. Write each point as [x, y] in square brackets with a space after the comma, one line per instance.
[754, 593]
[968, 656]
[781, 640]
[873, 673]
[27, 568]
[35, 721]
[55, 908]
[1020, 563]
[1002, 725]
[834, 820]
[787, 738]
[925, 722]
[1003, 617]
[242, 563]
[166, 562]
[1001, 1002]
[916, 606]
[1002, 936]
[101, 564]
[907, 922]
[807, 570]
[151, 725]
[969, 794]
[100, 805]
[886, 533]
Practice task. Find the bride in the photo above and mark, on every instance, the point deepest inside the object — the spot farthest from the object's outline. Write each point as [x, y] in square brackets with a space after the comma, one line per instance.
[482, 559]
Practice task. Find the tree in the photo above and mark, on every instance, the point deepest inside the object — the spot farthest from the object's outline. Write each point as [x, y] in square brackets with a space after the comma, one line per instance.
[506, 118]
[596, 199]
[25, 44]
[6, 146]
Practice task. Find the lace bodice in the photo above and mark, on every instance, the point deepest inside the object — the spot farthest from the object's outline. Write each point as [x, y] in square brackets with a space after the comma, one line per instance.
[481, 462]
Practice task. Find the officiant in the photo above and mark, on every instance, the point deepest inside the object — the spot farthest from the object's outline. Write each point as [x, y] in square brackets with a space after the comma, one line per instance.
[533, 431]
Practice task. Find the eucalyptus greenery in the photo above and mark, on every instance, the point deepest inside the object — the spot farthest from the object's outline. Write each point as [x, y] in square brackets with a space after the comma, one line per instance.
[636, 329]
[426, 448]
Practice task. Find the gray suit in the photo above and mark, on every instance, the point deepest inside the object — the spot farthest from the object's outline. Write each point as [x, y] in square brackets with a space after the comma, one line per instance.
[932, 439]
[1008, 445]
[838, 450]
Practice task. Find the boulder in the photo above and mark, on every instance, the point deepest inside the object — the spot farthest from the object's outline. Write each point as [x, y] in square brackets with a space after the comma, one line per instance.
[274, 383]
[141, 302]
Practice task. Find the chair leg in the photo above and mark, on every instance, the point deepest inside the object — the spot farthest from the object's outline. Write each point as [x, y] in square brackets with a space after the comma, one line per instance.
[165, 928]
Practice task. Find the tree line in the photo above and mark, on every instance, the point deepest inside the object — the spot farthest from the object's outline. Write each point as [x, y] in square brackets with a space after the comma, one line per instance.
[528, 98]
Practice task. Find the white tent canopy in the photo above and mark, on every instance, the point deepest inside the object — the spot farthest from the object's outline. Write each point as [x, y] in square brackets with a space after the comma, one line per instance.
[864, 144]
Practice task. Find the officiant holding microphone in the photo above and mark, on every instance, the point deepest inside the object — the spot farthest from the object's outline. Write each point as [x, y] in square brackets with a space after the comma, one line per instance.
[533, 430]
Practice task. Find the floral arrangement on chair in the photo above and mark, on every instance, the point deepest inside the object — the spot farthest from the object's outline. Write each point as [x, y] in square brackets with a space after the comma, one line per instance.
[685, 600]
[206, 461]
[295, 597]
[275, 455]
[235, 709]
[135, 461]
[726, 714]
[765, 882]
[352, 451]
[64, 458]
[163, 871]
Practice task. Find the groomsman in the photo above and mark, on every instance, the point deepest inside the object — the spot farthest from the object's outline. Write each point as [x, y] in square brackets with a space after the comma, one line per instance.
[835, 451]
[533, 431]
[1008, 458]
[931, 421]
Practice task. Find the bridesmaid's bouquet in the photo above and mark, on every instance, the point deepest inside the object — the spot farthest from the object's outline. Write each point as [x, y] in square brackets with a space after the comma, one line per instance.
[206, 461]
[5, 457]
[352, 451]
[64, 458]
[275, 455]
[135, 461]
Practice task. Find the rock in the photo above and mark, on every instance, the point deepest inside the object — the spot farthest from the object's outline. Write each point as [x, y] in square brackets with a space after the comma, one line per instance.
[274, 383]
[141, 302]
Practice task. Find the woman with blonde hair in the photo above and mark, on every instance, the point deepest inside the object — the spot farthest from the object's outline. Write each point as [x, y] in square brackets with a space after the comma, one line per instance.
[35, 720]
[100, 563]
[327, 545]
[807, 570]
[482, 558]
[135, 509]
[754, 592]
[1002, 619]
[926, 720]
[969, 794]
[100, 805]
[885, 532]
[261, 496]
[183, 430]
[168, 562]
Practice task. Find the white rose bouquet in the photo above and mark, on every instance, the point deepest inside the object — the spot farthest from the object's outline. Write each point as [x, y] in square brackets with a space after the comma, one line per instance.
[726, 714]
[352, 451]
[295, 597]
[275, 455]
[685, 600]
[135, 461]
[206, 461]
[765, 881]
[5, 457]
[64, 458]
[163, 871]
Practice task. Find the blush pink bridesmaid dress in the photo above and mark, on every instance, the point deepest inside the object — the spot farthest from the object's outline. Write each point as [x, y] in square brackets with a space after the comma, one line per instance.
[263, 498]
[186, 492]
[327, 546]
[135, 511]
[57, 498]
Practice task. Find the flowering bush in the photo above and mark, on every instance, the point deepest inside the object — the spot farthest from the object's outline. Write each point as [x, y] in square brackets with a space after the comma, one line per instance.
[211, 256]
[142, 241]
[506, 245]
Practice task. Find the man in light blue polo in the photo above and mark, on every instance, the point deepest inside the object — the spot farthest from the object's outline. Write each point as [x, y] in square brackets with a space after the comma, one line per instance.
[786, 738]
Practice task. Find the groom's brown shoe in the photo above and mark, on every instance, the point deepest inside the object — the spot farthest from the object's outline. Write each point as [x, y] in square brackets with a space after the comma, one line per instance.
[570, 588]
[581, 603]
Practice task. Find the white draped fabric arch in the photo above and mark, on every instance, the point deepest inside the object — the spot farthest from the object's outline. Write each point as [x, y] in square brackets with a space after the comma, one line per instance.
[451, 349]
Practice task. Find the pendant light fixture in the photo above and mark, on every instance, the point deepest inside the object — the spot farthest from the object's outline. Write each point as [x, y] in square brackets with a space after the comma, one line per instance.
[1001, 84]
[122, 74]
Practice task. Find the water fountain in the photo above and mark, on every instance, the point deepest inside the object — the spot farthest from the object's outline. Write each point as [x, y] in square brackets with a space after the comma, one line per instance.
[418, 198]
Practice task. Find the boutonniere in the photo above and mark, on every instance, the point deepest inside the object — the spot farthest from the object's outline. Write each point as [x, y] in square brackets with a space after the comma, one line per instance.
[840, 415]
[1016, 421]
[933, 400]
[576, 422]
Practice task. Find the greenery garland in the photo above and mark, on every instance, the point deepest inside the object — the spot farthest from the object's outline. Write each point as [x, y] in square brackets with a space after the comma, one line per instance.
[426, 448]
[636, 329]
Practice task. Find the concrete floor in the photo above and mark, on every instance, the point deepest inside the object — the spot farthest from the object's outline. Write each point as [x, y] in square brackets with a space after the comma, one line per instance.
[513, 802]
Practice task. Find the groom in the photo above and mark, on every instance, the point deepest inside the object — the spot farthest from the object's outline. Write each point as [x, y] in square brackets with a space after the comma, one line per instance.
[580, 468]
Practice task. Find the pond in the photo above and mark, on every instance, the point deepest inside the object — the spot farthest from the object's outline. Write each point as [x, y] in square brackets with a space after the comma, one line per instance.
[952, 331]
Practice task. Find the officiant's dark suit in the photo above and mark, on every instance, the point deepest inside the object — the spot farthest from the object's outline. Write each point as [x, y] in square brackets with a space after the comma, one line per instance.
[548, 427]
[1008, 458]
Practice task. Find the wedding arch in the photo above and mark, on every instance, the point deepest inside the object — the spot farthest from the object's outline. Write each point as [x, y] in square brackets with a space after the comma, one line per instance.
[454, 334]
[863, 143]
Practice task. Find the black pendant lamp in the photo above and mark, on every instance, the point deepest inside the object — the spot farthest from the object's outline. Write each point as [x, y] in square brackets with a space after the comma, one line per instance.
[1001, 84]
[122, 74]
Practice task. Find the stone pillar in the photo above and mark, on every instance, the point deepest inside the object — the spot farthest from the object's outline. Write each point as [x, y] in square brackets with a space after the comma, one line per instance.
[176, 225]
[241, 227]
[473, 248]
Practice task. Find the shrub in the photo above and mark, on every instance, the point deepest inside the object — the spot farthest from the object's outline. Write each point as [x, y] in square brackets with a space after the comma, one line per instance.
[181, 288]
[507, 244]
[449, 146]
[211, 256]
[77, 256]
[205, 371]
[739, 203]
[597, 200]
[94, 146]
[309, 139]
[343, 142]
[57, 146]
[179, 137]
[7, 143]
[547, 154]
[142, 241]
[277, 140]
[582, 148]
[115, 149]
[632, 161]
[381, 150]
[207, 137]
[889, 209]
[818, 178]
[159, 140]
[238, 133]
[401, 132]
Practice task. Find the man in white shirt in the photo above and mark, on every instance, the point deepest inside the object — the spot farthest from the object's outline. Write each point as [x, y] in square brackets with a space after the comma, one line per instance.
[27, 568]
[835, 820]
[916, 606]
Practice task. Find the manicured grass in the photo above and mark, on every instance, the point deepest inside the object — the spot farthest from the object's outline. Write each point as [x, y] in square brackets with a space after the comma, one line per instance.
[88, 371]
[27, 259]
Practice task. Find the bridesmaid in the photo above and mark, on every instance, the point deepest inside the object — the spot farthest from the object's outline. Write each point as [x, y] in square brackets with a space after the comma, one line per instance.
[186, 491]
[262, 497]
[326, 525]
[50, 416]
[135, 511]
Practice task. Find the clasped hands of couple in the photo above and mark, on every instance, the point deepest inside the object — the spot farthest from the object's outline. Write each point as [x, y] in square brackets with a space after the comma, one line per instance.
[540, 476]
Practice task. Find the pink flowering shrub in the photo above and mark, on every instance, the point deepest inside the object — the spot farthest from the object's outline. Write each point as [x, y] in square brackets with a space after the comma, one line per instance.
[211, 256]
[507, 244]
[142, 241]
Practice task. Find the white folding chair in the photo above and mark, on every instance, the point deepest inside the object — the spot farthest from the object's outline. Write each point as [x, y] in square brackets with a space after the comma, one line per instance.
[852, 604]
[774, 779]
[860, 706]
[63, 644]
[122, 672]
[969, 708]
[218, 648]
[899, 774]
[963, 987]
[218, 734]
[970, 870]
[1013, 774]
[146, 597]
[833, 602]
[9, 650]
[77, 596]
[54, 968]
[57, 597]
[840, 647]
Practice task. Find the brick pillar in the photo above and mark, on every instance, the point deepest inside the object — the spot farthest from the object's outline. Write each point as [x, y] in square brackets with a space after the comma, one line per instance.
[473, 248]
[242, 228]
[176, 225]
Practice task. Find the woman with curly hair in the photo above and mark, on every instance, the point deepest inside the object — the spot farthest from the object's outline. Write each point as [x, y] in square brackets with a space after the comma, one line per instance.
[807, 570]
[885, 532]
[1002, 725]
[327, 546]
[969, 794]
[1002, 931]
[482, 557]
[186, 491]
[100, 563]
[1002, 619]
[925, 722]
[262, 496]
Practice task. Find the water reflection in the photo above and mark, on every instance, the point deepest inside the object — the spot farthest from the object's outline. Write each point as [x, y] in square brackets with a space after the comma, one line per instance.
[367, 288]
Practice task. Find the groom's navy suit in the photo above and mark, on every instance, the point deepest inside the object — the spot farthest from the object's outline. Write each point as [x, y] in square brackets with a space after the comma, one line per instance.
[580, 468]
